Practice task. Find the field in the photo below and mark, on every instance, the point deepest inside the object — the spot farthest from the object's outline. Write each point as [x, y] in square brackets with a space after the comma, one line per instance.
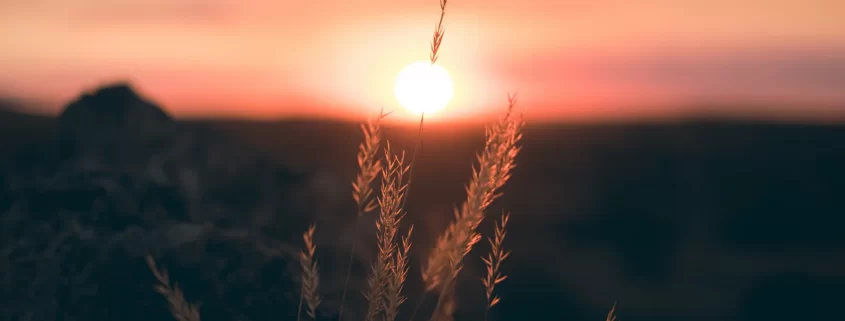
[690, 220]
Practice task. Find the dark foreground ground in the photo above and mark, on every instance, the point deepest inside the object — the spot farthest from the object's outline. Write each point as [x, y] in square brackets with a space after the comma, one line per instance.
[695, 220]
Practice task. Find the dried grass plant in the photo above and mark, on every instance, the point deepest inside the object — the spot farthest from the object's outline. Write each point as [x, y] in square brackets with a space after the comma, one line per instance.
[391, 262]
[439, 32]
[495, 163]
[179, 307]
[310, 276]
[369, 166]
[396, 279]
[493, 261]
[611, 315]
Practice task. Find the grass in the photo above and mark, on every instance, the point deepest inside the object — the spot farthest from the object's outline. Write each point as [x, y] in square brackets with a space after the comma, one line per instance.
[493, 261]
[369, 166]
[389, 272]
[310, 275]
[382, 292]
[179, 307]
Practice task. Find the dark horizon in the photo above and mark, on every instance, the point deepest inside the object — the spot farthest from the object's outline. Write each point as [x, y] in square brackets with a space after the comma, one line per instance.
[785, 113]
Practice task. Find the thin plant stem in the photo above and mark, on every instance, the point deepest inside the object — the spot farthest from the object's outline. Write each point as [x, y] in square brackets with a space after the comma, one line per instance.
[346, 283]
[417, 149]
[440, 298]
[423, 296]
[362, 209]
[299, 310]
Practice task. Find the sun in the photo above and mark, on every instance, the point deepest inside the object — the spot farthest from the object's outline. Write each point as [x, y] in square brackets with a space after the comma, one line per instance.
[423, 87]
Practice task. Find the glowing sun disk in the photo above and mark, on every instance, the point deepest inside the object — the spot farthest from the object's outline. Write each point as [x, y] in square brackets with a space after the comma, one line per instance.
[422, 87]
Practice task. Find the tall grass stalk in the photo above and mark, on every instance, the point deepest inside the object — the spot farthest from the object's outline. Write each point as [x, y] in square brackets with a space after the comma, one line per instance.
[611, 316]
[436, 41]
[310, 276]
[439, 32]
[179, 307]
[362, 191]
[396, 279]
[386, 268]
[495, 163]
[493, 261]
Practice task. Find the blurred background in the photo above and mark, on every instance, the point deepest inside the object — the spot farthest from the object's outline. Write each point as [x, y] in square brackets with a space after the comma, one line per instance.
[684, 158]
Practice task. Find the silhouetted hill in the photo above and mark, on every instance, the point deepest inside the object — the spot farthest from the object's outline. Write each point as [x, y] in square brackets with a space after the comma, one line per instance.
[113, 115]
[689, 220]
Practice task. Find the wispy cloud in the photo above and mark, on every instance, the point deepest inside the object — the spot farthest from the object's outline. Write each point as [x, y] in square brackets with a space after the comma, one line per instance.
[121, 11]
[785, 74]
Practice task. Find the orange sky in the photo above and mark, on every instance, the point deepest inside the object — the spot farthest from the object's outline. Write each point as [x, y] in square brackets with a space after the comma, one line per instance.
[567, 59]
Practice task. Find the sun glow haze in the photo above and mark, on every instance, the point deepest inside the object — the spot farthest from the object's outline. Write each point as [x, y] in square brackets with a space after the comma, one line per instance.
[568, 60]
[423, 87]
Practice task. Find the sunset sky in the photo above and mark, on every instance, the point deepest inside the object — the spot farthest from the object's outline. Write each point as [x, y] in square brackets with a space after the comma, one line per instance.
[567, 59]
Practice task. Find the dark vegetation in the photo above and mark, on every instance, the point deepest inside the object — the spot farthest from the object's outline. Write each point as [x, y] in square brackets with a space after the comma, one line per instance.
[694, 220]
